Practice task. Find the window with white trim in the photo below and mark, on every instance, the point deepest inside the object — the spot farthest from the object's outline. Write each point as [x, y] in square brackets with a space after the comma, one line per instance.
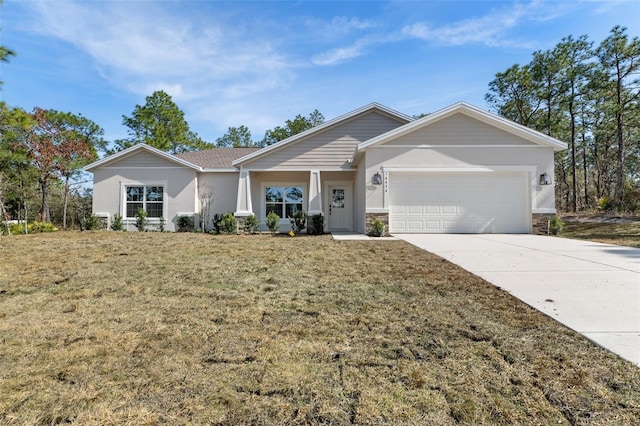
[150, 198]
[283, 200]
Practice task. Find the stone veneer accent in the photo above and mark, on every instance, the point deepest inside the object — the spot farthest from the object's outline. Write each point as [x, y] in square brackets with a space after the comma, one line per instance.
[540, 223]
[370, 217]
[240, 224]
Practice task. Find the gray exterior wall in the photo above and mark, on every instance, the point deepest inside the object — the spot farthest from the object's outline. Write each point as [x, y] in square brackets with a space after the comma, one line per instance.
[144, 168]
[459, 129]
[224, 189]
[258, 182]
[328, 150]
[441, 152]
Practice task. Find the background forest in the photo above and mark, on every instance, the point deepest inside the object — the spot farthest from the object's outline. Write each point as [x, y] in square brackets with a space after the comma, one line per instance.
[584, 93]
[587, 96]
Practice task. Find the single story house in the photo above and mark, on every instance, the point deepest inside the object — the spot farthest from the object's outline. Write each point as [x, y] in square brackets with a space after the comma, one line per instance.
[458, 170]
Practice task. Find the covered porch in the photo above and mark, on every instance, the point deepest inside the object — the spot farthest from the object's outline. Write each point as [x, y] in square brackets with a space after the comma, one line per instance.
[329, 193]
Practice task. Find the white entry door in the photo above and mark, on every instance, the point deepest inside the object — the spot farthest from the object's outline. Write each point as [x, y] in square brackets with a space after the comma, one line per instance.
[340, 208]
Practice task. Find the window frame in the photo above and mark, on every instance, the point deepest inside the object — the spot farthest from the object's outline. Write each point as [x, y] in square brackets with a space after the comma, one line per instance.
[145, 184]
[284, 186]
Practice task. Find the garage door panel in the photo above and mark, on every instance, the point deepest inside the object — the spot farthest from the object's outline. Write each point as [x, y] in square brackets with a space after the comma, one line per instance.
[489, 202]
[415, 210]
[415, 225]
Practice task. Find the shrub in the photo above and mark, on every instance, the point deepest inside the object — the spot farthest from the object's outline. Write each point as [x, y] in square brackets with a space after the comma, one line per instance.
[315, 225]
[32, 228]
[161, 225]
[116, 223]
[185, 224]
[298, 221]
[555, 225]
[251, 224]
[92, 223]
[19, 228]
[228, 223]
[141, 220]
[605, 204]
[273, 222]
[216, 223]
[377, 228]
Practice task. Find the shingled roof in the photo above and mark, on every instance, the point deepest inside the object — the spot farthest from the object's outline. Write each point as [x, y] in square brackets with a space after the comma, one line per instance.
[216, 158]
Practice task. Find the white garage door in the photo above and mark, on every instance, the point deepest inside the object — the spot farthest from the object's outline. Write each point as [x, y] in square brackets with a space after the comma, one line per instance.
[491, 202]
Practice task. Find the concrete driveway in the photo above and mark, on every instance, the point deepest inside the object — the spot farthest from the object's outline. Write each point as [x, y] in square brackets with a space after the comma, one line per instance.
[590, 287]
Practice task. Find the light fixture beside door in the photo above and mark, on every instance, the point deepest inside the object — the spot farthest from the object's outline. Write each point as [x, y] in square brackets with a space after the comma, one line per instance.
[545, 179]
[377, 179]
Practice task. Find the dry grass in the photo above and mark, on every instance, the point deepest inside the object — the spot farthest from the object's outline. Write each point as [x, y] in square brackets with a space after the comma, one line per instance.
[623, 234]
[127, 328]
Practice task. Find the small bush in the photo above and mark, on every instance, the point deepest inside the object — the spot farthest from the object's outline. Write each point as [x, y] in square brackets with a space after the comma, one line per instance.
[251, 224]
[216, 223]
[185, 224]
[273, 222]
[116, 223]
[555, 225]
[92, 223]
[228, 223]
[19, 228]
[141, 220]
[298, 221]
[315, 224]
[32, 228]
[605, 204]
[377, 228]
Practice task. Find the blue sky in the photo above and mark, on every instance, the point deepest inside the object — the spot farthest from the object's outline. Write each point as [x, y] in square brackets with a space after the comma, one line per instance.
[260, 63]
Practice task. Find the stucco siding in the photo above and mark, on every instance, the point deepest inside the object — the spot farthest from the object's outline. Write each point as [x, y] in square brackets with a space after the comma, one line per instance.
[223, 188]
[534, 160]
[258, 182]
[459, 129]
[179, 186]
[328, 150]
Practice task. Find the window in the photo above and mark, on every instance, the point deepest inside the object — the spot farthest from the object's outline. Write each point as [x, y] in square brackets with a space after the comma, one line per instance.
[149, 198]
[283, 200]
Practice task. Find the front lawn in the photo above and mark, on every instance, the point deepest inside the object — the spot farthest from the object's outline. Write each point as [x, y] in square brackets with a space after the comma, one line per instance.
[622, 234]
[148, 328]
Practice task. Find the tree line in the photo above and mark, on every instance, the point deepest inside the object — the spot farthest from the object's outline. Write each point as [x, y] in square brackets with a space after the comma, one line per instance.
[588, 96]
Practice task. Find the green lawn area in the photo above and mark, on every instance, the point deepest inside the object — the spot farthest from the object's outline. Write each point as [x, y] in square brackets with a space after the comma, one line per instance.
[104, 328]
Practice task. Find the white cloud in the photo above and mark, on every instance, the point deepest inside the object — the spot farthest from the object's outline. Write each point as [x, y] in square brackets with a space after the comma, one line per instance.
[338, 26]
[491, 29]
[336, 56]
[142, 45]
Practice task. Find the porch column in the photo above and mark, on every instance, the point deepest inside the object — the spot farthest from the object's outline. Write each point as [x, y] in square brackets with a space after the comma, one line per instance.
[315, 193]
[243, 204]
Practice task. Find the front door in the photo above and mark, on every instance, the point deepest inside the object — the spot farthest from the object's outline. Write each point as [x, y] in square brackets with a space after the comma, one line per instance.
[340, 208]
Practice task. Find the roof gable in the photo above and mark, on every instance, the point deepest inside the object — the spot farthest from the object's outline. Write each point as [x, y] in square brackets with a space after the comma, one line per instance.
[469, 111]
[111, 159]
[324, 127]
